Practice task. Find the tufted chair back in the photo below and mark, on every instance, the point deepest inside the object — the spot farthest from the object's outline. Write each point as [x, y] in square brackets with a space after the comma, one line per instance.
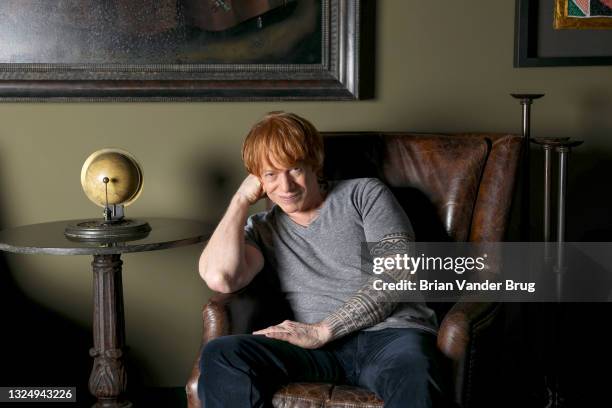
[462, 183]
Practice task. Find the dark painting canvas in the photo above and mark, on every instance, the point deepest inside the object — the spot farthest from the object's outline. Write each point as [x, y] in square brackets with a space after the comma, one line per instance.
[160, 31]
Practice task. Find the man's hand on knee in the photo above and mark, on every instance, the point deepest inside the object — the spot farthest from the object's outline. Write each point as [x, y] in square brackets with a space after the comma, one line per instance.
[310, 336]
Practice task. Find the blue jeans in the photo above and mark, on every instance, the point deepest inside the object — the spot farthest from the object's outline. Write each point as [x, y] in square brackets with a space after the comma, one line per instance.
[401, 366]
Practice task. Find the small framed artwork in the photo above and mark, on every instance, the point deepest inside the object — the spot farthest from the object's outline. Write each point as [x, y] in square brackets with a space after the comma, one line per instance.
[563, 33]
[595, 14]
[184, 50]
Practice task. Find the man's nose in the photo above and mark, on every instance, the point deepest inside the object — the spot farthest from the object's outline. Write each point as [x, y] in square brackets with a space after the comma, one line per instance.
[286, 182]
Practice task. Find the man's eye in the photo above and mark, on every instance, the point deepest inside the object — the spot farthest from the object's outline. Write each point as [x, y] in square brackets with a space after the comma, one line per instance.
[296, 170]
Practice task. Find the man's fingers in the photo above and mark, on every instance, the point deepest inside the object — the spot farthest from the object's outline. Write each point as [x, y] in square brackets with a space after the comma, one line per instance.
[272, 329]
[264, 331]
[296, 333]
[280, 336]
[284, 326]
[278, 332]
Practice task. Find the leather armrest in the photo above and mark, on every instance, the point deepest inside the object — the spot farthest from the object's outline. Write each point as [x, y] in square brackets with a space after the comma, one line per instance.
[215, 318]
[243, 312]
[461, 322]
[458, 339]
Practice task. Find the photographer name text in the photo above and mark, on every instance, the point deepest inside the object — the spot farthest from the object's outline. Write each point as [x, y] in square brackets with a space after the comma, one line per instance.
[457, 285]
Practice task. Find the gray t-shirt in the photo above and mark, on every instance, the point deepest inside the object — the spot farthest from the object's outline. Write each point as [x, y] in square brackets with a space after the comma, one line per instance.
[322, 265]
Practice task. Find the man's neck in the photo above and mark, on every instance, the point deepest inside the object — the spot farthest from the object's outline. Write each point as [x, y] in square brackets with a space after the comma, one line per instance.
[304, 218]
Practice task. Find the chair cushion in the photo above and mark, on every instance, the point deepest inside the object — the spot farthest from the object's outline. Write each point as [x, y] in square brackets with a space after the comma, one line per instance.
[311, 395]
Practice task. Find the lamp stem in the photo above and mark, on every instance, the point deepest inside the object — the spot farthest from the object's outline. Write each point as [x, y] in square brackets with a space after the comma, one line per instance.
[526, 101]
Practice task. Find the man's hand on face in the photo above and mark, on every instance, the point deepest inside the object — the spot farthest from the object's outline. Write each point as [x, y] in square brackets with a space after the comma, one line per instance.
[251, 189]
[309, 336]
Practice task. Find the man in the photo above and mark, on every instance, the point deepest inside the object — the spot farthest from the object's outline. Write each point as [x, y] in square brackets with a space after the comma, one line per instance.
[345, 330]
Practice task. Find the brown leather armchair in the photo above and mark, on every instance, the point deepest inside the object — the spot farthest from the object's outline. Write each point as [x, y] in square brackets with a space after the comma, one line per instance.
[453, 187]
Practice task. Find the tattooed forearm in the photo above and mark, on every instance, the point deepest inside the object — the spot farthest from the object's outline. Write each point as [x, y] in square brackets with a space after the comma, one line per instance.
[369, 306]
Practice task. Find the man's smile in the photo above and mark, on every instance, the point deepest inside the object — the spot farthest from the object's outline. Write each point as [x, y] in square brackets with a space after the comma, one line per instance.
[289, 198]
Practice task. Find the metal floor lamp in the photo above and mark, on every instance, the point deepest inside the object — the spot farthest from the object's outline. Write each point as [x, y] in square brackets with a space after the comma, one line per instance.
[554, 260]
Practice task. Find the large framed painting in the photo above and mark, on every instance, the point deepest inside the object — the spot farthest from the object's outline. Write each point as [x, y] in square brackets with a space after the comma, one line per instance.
[562, 33]
[183, 50]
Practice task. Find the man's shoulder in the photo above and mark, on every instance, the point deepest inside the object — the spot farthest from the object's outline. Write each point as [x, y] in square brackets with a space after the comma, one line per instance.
[357, 184]
[263, 217]
[358, 190]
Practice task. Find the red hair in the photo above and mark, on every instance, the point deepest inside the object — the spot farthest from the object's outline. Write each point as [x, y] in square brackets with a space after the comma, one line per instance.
[282, 138]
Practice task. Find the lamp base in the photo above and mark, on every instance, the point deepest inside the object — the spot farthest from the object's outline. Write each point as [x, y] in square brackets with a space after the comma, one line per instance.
[104, 231]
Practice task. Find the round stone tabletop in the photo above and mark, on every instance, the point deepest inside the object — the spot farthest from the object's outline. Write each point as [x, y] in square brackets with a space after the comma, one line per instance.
[49, 238]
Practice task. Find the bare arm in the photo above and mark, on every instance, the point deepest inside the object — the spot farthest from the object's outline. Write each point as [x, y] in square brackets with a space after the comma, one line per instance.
[227, 264]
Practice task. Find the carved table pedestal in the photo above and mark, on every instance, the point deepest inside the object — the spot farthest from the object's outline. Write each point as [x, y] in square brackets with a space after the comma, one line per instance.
[108, 378]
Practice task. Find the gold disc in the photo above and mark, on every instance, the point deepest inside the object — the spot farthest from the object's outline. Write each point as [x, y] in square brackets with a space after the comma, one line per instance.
[124, 174]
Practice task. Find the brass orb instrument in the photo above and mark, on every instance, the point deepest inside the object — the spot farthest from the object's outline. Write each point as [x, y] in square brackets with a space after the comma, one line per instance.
[112, 179]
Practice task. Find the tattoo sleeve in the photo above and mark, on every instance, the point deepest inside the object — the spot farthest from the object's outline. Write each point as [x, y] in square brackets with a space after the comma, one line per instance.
[368, 306]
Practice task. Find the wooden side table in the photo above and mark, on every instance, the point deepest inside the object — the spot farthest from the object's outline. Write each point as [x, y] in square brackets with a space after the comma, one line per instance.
[108, 380]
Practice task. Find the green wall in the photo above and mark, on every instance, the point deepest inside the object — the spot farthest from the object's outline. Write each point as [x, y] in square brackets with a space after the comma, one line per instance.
[440, 66]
